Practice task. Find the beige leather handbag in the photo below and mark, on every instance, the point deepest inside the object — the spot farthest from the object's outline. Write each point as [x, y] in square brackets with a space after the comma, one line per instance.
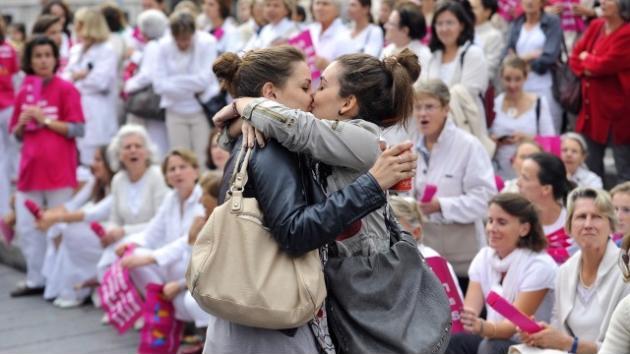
[239, 273]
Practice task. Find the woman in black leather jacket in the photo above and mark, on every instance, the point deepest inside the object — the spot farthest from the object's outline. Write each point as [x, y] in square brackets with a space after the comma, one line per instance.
[295, 209]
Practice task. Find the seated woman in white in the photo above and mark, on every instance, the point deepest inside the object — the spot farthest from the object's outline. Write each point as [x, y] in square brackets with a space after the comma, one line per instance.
[524, 149]
[137, 189]
[160, 255]
[78, 247]
[366, 36]
[573, 154]
[279, 26]
[515, 266]
[589, 285]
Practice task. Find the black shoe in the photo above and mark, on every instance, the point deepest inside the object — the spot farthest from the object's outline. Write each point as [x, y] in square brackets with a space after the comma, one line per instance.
[23, 290]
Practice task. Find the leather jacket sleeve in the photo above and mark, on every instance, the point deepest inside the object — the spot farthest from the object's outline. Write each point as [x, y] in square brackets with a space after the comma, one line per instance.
[277, 180]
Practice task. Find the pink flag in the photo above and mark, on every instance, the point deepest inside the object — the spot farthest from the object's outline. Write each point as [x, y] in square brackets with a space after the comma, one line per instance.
[98, 229]
[429, 193]
[550, 143]
[511, 313]
[304, 42]
[161, 332]
[440, 268]
[120, 299]
[33, 208]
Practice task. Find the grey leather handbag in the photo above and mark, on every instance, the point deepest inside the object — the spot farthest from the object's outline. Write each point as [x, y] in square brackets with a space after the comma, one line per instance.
[388, 302]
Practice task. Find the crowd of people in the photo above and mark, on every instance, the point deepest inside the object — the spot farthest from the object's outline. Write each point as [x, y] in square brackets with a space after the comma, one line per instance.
[131, 124]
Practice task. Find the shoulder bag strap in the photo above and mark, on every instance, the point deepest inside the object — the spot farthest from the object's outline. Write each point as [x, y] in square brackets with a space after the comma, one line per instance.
[239, 179]
[538, 114]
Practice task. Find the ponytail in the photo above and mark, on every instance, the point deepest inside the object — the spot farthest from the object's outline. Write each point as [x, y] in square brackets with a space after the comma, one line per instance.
[552, 172]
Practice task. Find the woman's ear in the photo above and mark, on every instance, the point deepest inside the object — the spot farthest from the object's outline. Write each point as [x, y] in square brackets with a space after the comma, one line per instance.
[350, 107]
[269, 91]
[524, 229]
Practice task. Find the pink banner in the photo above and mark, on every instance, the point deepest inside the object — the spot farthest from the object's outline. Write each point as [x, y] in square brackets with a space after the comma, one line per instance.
[549, 143]
[161, 332]
[558, 243]
[120, 299]
[511, 313]
[304, 42]
[440, 268]
[428, 193]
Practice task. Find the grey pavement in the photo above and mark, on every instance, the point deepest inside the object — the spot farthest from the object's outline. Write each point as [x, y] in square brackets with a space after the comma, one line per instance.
[31, 325]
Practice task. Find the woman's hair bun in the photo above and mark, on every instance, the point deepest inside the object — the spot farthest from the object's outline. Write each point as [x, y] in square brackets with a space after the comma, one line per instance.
[409, 60]
[225, 68]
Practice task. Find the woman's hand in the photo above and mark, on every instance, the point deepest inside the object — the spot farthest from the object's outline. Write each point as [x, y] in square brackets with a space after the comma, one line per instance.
[470, 321]
[548, 338]
[223, 116]
[431, 207]
[136, 260]
[581, 10]
[121, 249]
[36, 113]
[252, 136]
[321, 63]
[583, 55]
[48, 219]
[112, 236]
[171, 289]
[394, 165]
[554, 9]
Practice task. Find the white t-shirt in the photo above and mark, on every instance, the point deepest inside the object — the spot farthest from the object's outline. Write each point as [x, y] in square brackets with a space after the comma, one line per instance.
[528, 41]
[588, 310]
[526, 123]
[368, 41]
[447, 70]
[558, 224]
[535, 271]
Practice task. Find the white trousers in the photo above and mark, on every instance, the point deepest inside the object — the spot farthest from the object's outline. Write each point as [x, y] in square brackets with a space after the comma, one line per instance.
[31, 241]
[9, 157]
[74, 262]
[190, 131]
[176, 271]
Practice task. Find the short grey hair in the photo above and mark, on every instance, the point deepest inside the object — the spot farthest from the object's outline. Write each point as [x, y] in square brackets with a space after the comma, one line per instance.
[435, 88]
[602, 202]
[577, 138]
[152, 23]
[114, 148]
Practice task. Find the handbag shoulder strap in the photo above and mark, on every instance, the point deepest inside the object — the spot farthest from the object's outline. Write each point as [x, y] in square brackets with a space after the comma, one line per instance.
[239, 179]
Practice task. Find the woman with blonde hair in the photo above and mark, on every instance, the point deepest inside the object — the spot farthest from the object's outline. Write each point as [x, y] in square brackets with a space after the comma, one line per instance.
[621, 201]
[93, 69]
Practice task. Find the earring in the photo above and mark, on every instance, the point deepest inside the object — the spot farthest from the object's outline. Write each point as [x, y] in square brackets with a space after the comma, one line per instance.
[339, 113]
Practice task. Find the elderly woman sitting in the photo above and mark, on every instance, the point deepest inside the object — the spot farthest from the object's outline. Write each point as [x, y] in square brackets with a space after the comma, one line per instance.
[574, 152]
[588, 287]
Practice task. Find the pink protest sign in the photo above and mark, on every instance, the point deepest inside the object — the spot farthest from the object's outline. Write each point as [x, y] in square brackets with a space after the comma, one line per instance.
[549, 143]
[511, 313]
[304, 42]
[510, 9]
[440, 268]
[120, 299]
[429, 193]
[161, 332]
[558, 242]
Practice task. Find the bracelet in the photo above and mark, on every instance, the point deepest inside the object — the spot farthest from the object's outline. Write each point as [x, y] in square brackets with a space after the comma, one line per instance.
[574, 346]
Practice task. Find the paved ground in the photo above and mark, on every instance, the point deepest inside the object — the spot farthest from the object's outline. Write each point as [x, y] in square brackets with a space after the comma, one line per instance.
[31, 326]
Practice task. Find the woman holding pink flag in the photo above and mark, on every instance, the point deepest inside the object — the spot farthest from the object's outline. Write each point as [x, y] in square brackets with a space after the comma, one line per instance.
[47, 118]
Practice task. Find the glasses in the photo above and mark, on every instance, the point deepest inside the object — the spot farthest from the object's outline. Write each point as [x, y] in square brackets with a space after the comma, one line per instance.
[624, 259]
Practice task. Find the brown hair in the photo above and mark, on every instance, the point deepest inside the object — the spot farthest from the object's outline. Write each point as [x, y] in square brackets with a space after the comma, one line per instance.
[99, 191]
[43, 23]
[210, 183]
[515, 62]
[224, 8]
[47, 10]
[36, 41]
[521, 208]
[185, 155]
[182, 22]
[383, 88]
[246, 76]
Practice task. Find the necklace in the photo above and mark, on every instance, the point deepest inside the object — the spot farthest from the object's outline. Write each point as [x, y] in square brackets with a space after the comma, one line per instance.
[512, 112]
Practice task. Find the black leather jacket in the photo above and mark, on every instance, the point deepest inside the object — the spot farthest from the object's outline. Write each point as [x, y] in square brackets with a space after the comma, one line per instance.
[295, 209]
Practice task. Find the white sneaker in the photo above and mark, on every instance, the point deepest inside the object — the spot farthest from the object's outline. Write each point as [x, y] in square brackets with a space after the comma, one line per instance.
[66, 304]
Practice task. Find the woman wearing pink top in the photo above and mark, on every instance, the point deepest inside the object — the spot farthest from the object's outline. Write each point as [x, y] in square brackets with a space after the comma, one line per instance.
[47, 118]
[8, 67]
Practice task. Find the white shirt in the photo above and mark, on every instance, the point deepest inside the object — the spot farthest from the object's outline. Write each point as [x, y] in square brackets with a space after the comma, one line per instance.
[532, 272]
[368, 41]
[99, 90]
[583, 177]
[446, 71]
[332, 43]
[170, 223]
[273, 32]
[526, 123]
[462, 171]
[529, 41]
[558, 224]
[148, 66]
[422, 51]
[180, 75]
